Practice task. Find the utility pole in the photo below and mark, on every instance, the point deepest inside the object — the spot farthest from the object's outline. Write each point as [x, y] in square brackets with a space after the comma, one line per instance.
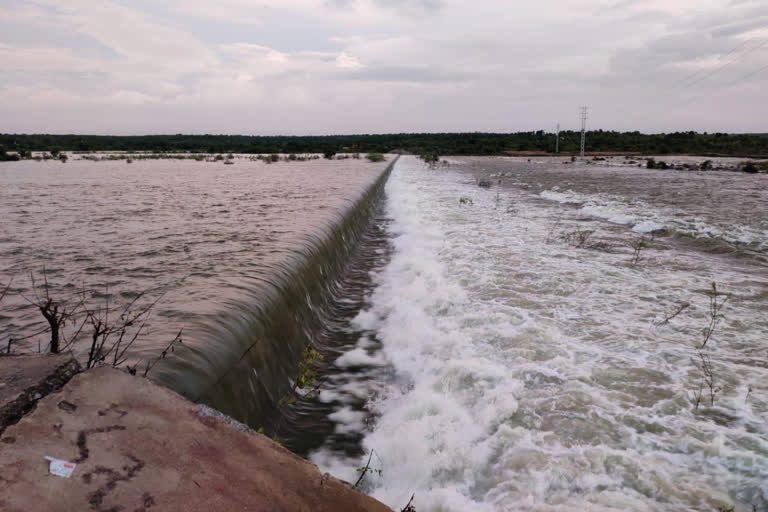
[583, 129]
[557, 139]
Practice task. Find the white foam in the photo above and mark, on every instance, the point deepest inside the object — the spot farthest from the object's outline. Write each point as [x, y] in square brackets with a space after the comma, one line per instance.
[529, 376]
[645, 219]
[348, 420]
[359, 357]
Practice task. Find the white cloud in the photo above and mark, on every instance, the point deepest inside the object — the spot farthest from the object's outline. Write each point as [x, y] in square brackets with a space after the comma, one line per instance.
[347, 62]
[313, 66]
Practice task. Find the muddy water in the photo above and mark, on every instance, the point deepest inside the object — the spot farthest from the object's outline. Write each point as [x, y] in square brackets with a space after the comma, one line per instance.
[489, 362]
[501, 367]
[716, 206]
[202, 237]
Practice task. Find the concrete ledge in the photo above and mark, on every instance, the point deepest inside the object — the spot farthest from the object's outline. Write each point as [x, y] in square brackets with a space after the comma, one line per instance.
[141, 447]
[26, 379]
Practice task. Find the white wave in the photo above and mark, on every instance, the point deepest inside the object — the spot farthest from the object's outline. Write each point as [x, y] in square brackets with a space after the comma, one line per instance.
[646, 219]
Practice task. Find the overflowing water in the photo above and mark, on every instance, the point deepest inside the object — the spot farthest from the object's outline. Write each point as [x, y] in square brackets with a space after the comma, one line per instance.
[503, 365]
[241, 256]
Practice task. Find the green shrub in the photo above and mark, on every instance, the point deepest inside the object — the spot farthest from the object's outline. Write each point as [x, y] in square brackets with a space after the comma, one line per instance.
[375, 157]
[430, 158]
[749, 167]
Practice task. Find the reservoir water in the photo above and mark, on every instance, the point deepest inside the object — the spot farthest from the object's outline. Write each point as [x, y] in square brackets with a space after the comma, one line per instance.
[243, 257]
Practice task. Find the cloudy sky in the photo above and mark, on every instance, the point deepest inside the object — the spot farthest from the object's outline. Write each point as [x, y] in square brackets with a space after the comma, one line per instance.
[378, 66]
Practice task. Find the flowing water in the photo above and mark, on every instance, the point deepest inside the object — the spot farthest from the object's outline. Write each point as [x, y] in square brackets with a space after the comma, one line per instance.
[490, 348]
[242, 256]
[501, 366]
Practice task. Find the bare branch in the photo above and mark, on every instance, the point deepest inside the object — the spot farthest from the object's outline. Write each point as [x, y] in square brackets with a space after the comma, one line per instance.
[409, 507]
[170, 347]
[680, 308]
[5, 290]
[714, 312]
[707, 379]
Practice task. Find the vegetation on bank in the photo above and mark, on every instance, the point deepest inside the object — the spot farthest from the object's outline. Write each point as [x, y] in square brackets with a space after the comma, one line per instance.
[417, 143]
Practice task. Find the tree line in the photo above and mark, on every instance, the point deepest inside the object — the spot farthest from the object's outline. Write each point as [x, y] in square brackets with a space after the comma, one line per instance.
[714, 144]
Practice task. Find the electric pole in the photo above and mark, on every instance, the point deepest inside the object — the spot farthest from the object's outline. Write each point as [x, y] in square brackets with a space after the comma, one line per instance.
[557, 139]
[583, 129]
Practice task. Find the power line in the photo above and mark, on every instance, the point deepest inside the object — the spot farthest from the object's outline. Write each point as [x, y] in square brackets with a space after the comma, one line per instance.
[750, 75]
[692, 99]
[698, 72]
[717, 70]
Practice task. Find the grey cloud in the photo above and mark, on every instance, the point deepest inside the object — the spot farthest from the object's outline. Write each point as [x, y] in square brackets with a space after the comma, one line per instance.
[651, 16]
[163, 70]
[407, 74]
[412, 5]
[712, 34]
[406, 7]
[339, 4]
[623, 5]
[738, 28]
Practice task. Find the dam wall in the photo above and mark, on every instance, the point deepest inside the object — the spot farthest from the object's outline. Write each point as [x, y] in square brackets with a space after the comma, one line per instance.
[256, 344]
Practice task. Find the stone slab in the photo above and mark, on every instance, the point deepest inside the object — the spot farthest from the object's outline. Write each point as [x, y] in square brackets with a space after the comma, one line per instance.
[139, 447]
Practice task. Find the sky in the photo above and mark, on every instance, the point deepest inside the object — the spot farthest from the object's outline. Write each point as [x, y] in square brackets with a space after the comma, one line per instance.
[266, 67]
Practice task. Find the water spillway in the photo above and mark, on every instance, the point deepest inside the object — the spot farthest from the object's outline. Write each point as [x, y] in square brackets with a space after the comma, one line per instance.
[242, 257]
[259, 340]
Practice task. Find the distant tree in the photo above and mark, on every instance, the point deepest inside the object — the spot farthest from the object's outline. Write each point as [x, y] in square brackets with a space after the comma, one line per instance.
[415, 143]
[5, 157]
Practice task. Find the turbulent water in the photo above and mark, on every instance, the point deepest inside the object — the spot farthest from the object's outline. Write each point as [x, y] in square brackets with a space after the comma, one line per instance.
[503, 365]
